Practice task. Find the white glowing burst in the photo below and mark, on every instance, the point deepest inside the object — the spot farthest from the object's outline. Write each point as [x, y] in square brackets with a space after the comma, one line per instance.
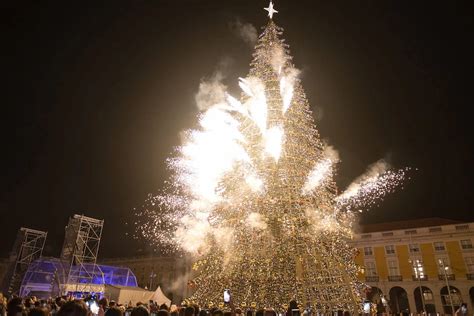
[286, 90]
[254, 182]
[257, 101]
[273, 142]
[322, 171]
[208, 154]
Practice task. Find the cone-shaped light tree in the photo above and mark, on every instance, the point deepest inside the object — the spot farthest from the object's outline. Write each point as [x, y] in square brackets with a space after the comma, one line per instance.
[252, 195]
[272, 229]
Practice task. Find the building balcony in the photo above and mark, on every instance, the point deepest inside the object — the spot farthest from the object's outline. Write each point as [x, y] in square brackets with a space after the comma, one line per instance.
[395, 278]
[421, 278]
[470, 276]
[373, 278]
[443, 277]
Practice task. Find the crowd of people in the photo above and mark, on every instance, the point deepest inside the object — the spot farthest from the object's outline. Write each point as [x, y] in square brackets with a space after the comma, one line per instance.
[90, 306]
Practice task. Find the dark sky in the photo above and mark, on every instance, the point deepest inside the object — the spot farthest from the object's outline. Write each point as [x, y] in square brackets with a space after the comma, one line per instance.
[94, 98]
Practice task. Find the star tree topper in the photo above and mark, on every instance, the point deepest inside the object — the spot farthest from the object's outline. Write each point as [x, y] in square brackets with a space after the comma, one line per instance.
[270, 10]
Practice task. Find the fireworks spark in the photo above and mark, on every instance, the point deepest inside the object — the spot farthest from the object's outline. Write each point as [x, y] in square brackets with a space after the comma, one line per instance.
[371, 187]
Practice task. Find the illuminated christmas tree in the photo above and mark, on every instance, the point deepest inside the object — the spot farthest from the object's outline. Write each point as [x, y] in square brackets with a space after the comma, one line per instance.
[253, 196]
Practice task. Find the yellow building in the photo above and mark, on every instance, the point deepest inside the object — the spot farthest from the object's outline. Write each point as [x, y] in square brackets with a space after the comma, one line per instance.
[433, 256]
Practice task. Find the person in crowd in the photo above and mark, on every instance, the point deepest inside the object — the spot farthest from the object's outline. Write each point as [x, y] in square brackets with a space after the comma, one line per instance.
[196, 309]
[28, 303]
[38, 311]
[103, 305]
[173, 310]
[114, 311]
[3, 305]
[293, 306]
[270, 312]
[140, 310]
[260, 312]
[59, 301]
[203, 312]
[189, 311]
[15, 307]
[164, 307]
[162, 312]
[217, 312]
[73, 308]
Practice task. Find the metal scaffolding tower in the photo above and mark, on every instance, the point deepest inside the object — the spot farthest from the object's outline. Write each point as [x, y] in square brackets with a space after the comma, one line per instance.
[27, 248]
[79, 252]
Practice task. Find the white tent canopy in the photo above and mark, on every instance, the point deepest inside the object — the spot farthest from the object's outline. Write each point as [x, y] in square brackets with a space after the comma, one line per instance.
[133, 295]
[160, 298]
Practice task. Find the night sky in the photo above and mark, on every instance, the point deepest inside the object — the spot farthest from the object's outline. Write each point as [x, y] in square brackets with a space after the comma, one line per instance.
[94, 98]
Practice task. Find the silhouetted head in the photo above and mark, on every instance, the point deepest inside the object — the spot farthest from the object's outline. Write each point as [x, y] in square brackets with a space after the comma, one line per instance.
[73, 308]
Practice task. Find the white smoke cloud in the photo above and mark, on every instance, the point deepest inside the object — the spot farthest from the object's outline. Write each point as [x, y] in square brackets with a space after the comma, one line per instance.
[212, 91]
[331, 153]
[278, 58]
[180, 284]
[372, 172]
[246, 31]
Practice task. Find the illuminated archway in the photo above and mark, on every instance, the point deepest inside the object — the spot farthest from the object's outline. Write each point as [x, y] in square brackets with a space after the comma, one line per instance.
[452, 298]
[427, 299]
[376, 296]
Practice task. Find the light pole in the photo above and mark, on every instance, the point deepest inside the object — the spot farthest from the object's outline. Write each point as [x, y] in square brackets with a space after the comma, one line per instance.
[417, 266]
[445, 268]
[152, 276]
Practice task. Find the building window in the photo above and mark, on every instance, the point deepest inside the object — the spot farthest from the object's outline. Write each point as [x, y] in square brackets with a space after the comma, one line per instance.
[443, 265]
[368, 251]
[390, 249]
[466, 244]
[370, 269]
[410, 232]
[469, 264]
[418, 268]
[462, 227]
[435, 229]
[366, 236]
[387, 234]
[427, 295]
[439, 246]
[393, 267]
[414, 248]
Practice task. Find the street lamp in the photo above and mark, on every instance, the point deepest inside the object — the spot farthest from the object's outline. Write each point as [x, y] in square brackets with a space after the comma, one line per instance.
[445, 269]
[417, 266]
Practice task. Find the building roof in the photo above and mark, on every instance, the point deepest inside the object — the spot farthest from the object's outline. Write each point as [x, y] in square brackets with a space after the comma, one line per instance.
[406, 224]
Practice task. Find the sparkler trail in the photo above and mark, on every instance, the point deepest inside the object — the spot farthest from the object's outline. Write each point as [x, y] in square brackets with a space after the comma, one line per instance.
[371, 187]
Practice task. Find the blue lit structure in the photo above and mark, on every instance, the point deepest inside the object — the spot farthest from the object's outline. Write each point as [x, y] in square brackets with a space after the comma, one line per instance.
[46, 277]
